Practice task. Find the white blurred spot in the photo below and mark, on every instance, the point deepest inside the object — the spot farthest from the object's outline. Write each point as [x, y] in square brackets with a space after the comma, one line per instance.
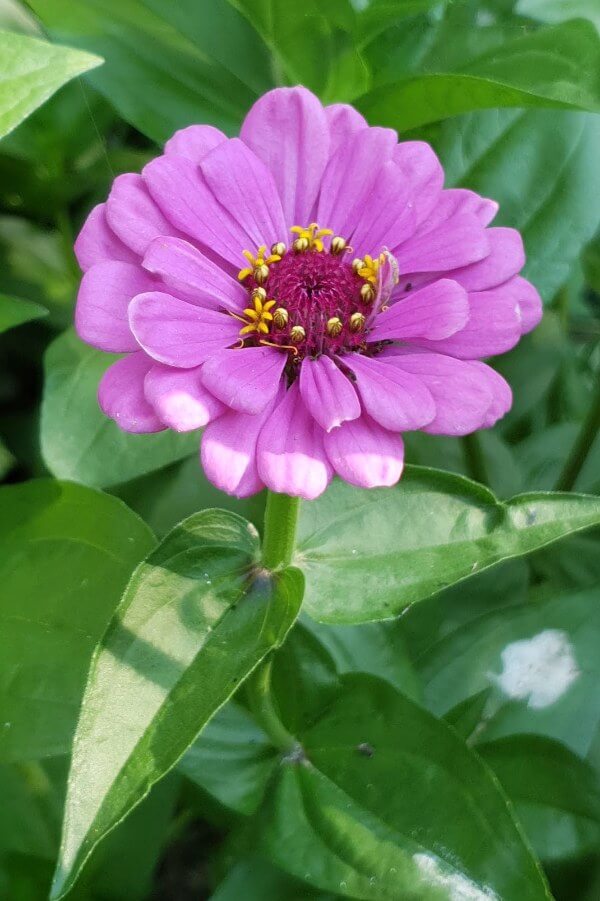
[538, 669]
[459, 888]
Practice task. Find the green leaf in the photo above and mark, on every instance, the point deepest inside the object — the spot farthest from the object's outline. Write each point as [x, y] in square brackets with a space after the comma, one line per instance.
[369, 554]
[558, 66]
[256, 880]
[66, 554]
[559, 10]
[552, 196]
[539, 661]
[389, 803]
[556, 794]
[31, 71]
[78, 441]
[196, 618]
[14, 311]
[542, 457]
[167, 65]
[232, 760]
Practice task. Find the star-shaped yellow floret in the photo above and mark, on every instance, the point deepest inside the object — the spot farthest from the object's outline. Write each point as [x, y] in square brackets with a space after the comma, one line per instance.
[256, 261]
[259, 317]
[313, 234]
[371, 267]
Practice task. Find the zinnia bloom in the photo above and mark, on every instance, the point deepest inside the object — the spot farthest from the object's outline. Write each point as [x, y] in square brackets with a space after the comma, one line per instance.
[305, 292]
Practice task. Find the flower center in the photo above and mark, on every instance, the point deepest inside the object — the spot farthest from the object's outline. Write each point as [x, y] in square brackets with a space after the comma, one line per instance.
[309, 300]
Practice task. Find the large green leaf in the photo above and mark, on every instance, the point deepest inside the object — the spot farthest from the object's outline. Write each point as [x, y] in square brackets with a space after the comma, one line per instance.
[559, 10]
[78, 441]
[539, 662]
[15, 311]
[369, 554]
[552, 195]
[66, 555]
[197, 617]
[31, 71]
[387, 802]
[556, 66]
[256, 880]
[556, 794]
[167, 64]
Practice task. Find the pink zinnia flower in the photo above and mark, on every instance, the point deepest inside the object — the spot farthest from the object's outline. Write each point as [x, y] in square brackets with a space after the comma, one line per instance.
[304, 350]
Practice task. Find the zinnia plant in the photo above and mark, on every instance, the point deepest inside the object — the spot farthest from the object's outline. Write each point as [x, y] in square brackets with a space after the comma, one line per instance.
[286, 437]
[334, 336]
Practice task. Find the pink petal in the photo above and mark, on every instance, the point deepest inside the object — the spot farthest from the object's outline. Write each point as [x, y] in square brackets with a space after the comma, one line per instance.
[133, 215]
[397, 400]
[436, 311]
[287, 129]
[423, 171]
[351, 177]
[456, 201]
[194, 276]
[228, 451]
[104, 296]
[455, 243]
[530, 304]
[181, 192]
[365, 454]
[462, 396]
[499, 389]
[343, 121]
[97, 242]
[246, 379]
[494, 324]
[121, 395]
[243, 185]
[505, 259]
[327, 393]
[389, 217]
[194, 142]
[177, 333]
[180, 399]
[290, 452]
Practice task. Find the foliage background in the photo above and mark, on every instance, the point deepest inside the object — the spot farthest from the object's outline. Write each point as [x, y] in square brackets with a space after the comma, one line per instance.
[508, 93]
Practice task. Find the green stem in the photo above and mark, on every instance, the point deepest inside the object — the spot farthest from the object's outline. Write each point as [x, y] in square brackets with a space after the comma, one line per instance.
[281, 518]
[582, 446]
[475, 458]
[263, 707]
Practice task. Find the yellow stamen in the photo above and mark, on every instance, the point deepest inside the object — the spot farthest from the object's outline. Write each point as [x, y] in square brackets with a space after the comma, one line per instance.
[260, 316]
[370, 268]
[310, 238]
[259, 264]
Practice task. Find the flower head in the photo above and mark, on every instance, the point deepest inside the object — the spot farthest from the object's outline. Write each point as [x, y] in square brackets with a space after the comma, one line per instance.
[306, 292]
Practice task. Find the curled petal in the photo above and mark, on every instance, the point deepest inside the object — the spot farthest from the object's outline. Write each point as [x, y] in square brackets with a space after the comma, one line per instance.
[104, 296]
[97, 242]
[436, 311]
[397, 400]
[179, 398]
[194, 142]
[505, 259]
[245, 379]
[178, 333]
[327, 393]
[291, 456]
[121, 395]
[365, 454]
[133, 215]
[452, 245]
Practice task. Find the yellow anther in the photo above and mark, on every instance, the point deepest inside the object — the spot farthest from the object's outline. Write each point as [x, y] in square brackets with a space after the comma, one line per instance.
[357, 322]
[334, 326]
[278, 249]
[259, 264]
[371, 267]
[297, 334]
[312, 235]
[357, 264]
[260, 316]
[367, 293]
[280, 317]
[338, 245]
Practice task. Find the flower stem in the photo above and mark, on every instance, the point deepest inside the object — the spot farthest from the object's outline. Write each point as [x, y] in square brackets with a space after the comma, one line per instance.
[582, 446]
[475, 458]
[262, 706]
[281, 517]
